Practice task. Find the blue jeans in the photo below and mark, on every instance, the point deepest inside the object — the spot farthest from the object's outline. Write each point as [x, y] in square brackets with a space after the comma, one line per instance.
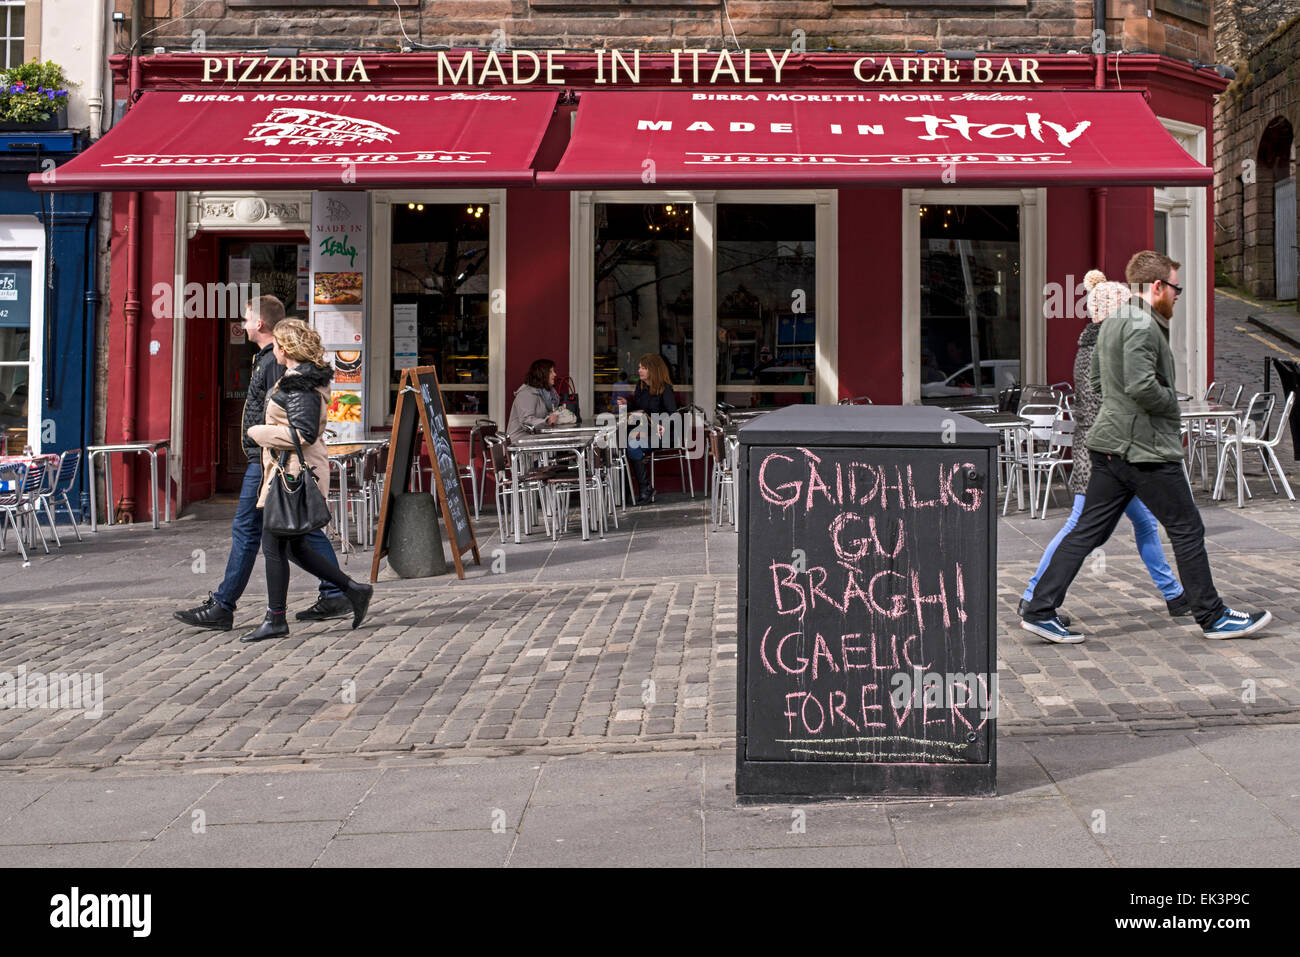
[246, 542]
[1147, 532]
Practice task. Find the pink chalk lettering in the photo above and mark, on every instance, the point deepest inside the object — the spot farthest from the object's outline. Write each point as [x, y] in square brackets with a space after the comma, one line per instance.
[822, 650]
[838, 709]
[845, 648]
[919, 600]
[762, 651]
[911, 493]
[815, 484]
[853, 550]
[789, 582]
[899, 600]
[897, 486]
[961, 595]
[780, 659]
[875, 539]
[791, 715]
[816, 590]
[870, 707]
[907, 655]
[893, 654]
[794, 489]
[821, 714]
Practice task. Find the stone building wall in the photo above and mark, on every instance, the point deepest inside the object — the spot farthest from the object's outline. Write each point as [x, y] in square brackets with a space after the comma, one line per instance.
[1255, 123]
[1180, 28]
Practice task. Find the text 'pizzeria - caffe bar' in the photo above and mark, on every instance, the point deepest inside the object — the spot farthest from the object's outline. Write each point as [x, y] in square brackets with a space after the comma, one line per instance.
[781, 228]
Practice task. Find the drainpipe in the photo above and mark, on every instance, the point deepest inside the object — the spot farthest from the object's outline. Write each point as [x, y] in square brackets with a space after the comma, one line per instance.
[1099, 59]
[1099, 194]
[88, 326]
[131, 321]
[95, 95]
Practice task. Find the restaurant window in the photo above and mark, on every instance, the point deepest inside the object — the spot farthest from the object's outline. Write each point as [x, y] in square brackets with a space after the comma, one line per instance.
[766, 284]
[13, 16]
[440, 260]
[644, 275]
[970, 300]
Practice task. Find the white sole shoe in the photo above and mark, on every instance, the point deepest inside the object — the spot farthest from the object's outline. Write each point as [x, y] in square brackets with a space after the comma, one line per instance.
[1047, 634]
[1248, 630]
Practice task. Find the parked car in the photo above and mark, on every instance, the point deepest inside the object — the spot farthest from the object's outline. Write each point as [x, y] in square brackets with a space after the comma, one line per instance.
[995, 375]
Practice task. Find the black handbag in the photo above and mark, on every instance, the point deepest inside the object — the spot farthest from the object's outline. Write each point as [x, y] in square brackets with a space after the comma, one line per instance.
[568, 393]
[294, 505]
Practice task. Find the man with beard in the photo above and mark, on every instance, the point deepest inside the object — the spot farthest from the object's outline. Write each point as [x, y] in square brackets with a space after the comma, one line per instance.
[1136, 449]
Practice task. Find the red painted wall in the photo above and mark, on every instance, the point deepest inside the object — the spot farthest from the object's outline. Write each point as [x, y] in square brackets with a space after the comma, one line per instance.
[871, 295]
[153, 368]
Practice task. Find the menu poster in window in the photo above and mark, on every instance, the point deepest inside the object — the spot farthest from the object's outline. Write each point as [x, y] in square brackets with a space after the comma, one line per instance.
[339, 327]
[347, 367]
[406, 335]
[335, 293]
[304, 259]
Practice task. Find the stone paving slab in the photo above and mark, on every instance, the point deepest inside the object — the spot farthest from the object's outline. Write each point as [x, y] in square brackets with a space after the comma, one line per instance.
[1112, 800]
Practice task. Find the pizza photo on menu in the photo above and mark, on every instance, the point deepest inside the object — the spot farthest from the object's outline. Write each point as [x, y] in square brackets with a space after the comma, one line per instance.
[338, 289]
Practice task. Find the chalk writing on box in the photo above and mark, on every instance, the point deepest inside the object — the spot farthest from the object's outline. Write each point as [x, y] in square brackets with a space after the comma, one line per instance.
[867, 639]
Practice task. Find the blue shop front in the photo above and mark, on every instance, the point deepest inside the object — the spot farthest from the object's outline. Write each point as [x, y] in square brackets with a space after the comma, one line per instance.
[48, 301]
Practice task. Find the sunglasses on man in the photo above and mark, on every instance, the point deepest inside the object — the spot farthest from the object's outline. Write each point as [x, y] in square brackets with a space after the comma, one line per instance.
[1178, 290]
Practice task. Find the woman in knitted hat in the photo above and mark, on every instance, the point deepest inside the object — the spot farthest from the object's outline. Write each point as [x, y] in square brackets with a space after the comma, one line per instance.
[1104, 298]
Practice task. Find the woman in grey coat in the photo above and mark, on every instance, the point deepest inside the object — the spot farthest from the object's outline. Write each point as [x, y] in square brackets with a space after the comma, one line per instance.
[1103, 299]
[536, 401]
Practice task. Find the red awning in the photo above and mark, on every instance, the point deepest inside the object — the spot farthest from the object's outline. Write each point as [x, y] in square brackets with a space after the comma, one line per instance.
[173, 140]
[824, 138]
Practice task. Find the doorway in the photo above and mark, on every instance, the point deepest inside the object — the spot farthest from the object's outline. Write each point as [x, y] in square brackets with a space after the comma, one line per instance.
[268, 268]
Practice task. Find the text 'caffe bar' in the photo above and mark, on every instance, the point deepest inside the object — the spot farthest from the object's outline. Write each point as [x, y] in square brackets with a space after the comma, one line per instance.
[781, 228]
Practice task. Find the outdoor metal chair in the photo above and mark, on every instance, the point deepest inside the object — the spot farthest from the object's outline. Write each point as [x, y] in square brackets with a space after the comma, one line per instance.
[12, 479]
[1267, 450]
[1255, 431]
[65, 479]
[722, 479]
[857, 400]
[20, 503]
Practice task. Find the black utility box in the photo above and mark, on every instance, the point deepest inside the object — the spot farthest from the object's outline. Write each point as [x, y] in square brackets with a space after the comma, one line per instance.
[867, 662]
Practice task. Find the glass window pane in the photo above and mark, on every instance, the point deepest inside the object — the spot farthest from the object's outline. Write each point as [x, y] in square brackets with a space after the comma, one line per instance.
[1162, 233]
[440, 263]
[970, 299]
[767, 277]
[15, 53]
[644, 275]
[16, 15]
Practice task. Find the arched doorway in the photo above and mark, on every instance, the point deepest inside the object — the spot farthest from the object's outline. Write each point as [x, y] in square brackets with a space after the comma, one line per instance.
[1275, 252]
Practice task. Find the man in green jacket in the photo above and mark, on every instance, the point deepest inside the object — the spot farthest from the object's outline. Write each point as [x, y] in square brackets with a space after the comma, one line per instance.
[1136, 450]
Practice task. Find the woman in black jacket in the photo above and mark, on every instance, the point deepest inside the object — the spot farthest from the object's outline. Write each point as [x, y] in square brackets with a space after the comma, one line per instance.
[654, 397]
[298, 404]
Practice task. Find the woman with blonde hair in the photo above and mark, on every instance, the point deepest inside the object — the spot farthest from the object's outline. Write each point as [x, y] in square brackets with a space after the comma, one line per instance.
[1104, 300]
[297, 405]
[654, 397]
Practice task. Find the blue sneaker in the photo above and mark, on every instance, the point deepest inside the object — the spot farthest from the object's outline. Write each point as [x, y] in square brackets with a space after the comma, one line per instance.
[1052, 630]
[1237, 624]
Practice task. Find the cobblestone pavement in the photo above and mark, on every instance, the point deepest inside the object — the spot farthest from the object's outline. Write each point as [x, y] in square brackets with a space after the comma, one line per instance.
[624, 644]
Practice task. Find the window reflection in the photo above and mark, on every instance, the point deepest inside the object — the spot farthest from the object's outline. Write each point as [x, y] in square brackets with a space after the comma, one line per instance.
[767, 273]
[644, 275]
[440, 264]
[970, 299]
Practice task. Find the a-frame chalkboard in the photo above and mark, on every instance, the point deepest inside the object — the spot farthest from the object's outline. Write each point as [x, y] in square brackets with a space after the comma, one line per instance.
[419, 417]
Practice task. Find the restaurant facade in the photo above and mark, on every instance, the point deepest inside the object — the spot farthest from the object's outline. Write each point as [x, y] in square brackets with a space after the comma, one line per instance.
[781, 227]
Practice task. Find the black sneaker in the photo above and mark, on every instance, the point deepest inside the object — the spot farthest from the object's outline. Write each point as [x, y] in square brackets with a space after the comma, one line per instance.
[326, 609]
[1179, 607]
[208, 615]
[1061, 616]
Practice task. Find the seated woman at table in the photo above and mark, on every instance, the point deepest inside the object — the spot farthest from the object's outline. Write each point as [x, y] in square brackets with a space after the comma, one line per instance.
[652, 396]
[536, 401]
[1103, 299]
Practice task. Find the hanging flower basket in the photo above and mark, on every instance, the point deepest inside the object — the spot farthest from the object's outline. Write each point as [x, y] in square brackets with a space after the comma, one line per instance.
[33, 96]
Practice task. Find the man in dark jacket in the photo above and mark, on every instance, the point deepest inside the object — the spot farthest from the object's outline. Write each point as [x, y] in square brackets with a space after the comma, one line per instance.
[218, 612]
[1135, 448]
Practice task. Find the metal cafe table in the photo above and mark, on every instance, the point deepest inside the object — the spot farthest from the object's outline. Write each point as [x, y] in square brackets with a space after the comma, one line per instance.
[1211, 411]
[578, 440]
[150, 449]
[1015, 436]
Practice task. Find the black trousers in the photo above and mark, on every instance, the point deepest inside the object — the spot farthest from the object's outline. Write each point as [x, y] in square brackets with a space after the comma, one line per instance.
[276, 550]
[1163, 488]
